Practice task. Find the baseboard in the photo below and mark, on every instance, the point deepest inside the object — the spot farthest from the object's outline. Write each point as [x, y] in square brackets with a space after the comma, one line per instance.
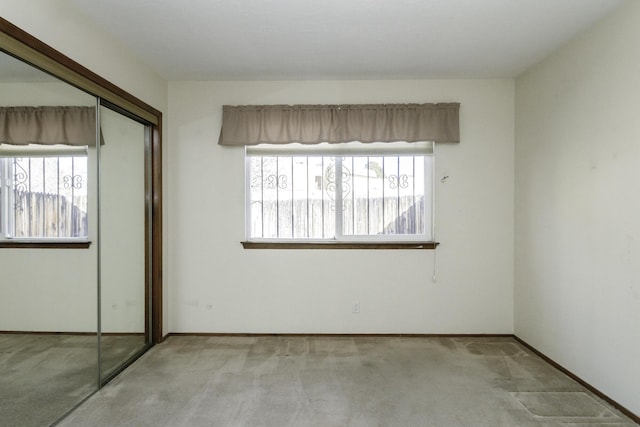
[265, 334]
[580, 381]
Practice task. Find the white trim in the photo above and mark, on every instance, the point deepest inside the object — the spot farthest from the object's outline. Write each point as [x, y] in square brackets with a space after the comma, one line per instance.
[344, 149]
[34, 150]
[247, 195]
[5, 192]
[433, 194]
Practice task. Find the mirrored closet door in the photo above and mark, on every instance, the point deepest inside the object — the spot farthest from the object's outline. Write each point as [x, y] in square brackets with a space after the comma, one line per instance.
[76, 243]
[48, 233]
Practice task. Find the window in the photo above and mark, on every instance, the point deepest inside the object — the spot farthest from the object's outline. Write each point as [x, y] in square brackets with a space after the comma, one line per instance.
[354, 192]
[43, 192]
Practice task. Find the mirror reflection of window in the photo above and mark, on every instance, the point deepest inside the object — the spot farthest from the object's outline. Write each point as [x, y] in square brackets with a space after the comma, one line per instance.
[44, 192]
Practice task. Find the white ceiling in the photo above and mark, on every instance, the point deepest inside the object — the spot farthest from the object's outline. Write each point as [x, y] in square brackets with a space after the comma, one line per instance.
[342, 39]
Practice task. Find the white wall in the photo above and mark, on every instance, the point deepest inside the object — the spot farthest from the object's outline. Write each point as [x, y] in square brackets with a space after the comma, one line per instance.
[577, 293]
[60, 25]
[216, 286]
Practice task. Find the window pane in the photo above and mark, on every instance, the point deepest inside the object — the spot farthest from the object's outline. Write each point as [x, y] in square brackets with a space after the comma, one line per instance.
[329, 197]
[423, 196]
[291, 197]
[390, 198]
[375, 186]
[347, 195]
[22, 197]
[300, 191]
[408, 214]
[270, 197]
[295, 196]
[255, 196]
[393, 205]
[284, 191]
[361, 175]
[317, 197]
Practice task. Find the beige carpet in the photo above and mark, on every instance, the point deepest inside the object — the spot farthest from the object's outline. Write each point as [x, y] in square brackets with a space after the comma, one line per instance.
[343, 381]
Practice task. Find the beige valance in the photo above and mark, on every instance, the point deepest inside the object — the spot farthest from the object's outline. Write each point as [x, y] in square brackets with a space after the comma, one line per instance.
[312, 124]
[48, 125]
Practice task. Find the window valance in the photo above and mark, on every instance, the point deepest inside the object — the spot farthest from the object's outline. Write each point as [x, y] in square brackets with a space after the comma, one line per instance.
[312, 124]
[48, 125]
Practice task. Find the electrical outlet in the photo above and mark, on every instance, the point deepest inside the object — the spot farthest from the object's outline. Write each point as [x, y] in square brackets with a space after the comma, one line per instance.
[355, 309]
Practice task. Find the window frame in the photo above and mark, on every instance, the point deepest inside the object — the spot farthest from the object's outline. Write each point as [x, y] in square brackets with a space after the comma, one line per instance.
[7, 215]
[426, 150]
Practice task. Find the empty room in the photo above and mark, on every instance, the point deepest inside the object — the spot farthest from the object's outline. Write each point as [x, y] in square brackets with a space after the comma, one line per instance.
[319, 213]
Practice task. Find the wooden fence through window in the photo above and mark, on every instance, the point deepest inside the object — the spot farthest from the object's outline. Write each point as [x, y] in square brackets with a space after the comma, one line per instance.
[48, 215]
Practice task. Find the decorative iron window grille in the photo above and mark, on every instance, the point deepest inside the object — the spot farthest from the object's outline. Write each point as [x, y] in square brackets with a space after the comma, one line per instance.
[380, 194]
